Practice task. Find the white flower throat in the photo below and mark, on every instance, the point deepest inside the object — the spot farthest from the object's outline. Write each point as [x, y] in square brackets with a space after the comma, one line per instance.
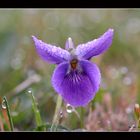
[74, 58]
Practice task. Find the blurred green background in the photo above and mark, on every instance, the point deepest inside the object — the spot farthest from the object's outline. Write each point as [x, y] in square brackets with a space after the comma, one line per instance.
[21, 69]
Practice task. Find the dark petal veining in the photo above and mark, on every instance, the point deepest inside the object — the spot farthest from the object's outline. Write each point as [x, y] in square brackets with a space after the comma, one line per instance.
[95, 47]
[77, 88]
[51, 53]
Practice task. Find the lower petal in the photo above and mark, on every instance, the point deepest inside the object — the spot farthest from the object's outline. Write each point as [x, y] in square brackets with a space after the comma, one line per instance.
[92, 72]
[77, 88]
[58, 76]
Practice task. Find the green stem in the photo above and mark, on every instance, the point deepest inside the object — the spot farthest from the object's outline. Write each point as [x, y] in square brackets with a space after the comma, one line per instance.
[56, 116]
[8, 113]
[82, 117]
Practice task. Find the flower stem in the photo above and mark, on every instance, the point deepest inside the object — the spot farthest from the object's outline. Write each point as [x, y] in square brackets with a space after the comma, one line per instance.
[55, 121]
[82, 117]
[8, 113]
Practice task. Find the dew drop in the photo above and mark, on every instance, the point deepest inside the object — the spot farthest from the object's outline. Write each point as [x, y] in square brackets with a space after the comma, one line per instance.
[29, 91]
[69, 108]
[3, 105]
[61, 114]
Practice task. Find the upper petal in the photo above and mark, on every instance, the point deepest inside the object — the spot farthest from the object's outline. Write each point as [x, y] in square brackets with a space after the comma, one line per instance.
[95, 47]
[77, 88]
[50, 53]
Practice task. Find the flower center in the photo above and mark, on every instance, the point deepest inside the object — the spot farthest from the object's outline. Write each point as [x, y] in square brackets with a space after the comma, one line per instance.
[73, 63]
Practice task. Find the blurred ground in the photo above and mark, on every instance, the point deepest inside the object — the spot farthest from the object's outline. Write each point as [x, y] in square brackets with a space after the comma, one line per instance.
[21, 69]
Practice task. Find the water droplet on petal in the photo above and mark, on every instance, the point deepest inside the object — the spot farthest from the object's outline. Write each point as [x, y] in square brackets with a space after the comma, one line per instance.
[69, 108]
[3, 105]
[95, 40]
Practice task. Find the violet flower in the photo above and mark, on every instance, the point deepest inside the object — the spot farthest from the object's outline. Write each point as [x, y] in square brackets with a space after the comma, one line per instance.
[75, 78]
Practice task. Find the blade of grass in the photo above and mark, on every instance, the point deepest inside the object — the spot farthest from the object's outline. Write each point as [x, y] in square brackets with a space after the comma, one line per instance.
[55, 121]
[8, 113]
[5, 120]
[36, 112]
[1, 124]
[82, 117]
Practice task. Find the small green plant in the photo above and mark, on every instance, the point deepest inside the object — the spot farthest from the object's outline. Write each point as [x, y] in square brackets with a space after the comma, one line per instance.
[137, 114]
[38, 119]
[5, 106]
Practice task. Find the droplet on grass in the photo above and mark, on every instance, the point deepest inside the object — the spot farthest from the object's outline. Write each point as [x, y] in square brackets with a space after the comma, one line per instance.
[3, 105]
[30, 91]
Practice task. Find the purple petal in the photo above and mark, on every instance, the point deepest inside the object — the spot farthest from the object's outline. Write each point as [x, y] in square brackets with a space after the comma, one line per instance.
[59, 75]
[77, 88]
[95, 47]
[69, 44]
[92, 72]
[50, 53]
